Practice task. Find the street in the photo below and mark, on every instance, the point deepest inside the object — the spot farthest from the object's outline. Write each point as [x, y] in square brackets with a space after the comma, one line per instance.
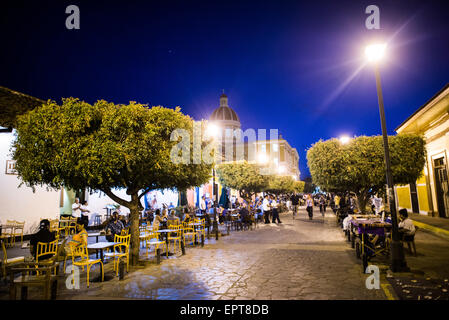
[298, 259]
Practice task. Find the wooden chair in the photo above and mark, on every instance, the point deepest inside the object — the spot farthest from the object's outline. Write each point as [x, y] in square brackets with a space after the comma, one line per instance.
[152, 239]
[45, 249]
[119, 251]
[410, 241]
[41, 278]
[8, 232]
[71, 228]
[54, 225]
[19, 226]
[188, 232]
[175, 236]
[5, 262]
[80, 257]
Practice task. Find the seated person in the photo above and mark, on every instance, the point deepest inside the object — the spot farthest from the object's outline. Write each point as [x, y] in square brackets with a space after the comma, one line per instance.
[80, 238]
[222, 214]
[43, 235]
[186, 218]
[114, 227]
[158, 219]
[173, 219]
[244, 214]
[406, 226]
[124, 221]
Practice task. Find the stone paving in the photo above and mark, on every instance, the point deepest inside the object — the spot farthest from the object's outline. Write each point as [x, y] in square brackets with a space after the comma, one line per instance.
[298, 259]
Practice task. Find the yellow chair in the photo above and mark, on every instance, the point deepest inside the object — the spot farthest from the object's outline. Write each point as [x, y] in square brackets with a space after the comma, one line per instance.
[80, 257]
[120, 250]
[175, 236]
[54, 225]
[152, 239]
[47, 248]
[18, 226]
[188, 232]
[202, 228]
[8, 232]
[124, 232]
[64, 224]
[71, 228]
[5, 262]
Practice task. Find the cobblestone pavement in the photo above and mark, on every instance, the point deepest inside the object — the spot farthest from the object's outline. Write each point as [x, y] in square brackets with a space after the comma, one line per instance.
[298, 259]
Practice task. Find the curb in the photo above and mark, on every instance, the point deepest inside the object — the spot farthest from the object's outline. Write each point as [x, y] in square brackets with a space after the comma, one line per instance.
[435, 230]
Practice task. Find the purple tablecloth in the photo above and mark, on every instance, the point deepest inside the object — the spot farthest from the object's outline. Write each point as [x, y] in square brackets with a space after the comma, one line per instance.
[370, 226]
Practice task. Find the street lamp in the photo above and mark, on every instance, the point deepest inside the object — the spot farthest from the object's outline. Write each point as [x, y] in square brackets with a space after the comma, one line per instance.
[344, 139]
[213, 131]
[374, 53]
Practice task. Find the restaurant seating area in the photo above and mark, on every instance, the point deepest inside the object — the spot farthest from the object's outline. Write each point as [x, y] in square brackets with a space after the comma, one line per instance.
[370, 235]
[95, 260]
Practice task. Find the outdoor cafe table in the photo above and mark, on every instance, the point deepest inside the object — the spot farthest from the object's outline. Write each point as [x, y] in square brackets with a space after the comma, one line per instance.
[101, 246]
[166, 232]
[95, 234]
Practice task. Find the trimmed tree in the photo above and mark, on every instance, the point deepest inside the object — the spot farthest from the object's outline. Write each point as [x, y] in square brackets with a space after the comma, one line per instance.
[105, 147]
[359, 166]
[299, 186]
[244, 177]
[281, 185]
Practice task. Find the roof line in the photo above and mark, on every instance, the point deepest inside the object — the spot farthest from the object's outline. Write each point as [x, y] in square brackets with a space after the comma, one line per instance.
[423, 106]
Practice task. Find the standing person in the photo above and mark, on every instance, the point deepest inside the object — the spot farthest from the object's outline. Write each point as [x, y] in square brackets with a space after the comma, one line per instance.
[377, 204]
[274, 210]
[154, 203]
[322, 205]
[295, 203]
[233, 202]
[76, 208]
[203, 204]
[309, 206]
[85, 212]
[336, 202]
[266, 209]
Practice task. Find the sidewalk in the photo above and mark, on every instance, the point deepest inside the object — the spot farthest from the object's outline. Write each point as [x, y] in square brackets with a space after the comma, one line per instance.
[435, 225]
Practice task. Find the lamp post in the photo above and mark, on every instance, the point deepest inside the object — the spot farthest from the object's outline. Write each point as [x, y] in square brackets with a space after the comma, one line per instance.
[374, 53]
[213, 132]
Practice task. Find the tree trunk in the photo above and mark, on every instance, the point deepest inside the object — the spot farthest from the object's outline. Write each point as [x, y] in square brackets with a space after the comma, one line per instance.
[134, 229]
[362, 200]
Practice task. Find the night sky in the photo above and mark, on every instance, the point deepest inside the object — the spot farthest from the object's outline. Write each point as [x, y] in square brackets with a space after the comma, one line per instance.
[291, 65]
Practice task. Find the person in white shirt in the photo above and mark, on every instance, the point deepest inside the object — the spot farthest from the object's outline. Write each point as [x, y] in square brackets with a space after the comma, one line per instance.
[406, 226]
[377, 204]
[85, 212]
[203, 204]
[76, 208]
[266, 209]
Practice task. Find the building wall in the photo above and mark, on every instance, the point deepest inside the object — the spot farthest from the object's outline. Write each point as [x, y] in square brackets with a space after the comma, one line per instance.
[22, 204]
[403, 196]
[436, 148]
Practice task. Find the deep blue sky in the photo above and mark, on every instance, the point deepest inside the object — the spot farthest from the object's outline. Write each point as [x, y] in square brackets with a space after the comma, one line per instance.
[288, 65]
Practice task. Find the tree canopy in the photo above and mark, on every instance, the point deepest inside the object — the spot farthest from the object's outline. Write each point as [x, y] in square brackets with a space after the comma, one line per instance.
[104, 146]
[359, 166]
[244, 177]
[282, 185]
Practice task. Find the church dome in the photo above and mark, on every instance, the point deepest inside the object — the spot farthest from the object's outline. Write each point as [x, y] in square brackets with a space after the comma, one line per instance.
[224, 112]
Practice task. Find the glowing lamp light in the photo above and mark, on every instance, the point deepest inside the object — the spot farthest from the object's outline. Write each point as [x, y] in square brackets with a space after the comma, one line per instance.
[212, 130]
[344, 139]
[281, 169]
[262, 158]
[375, 52]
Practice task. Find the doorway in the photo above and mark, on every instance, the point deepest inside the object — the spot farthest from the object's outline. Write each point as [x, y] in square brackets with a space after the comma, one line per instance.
[442, 187]
[414, 197]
